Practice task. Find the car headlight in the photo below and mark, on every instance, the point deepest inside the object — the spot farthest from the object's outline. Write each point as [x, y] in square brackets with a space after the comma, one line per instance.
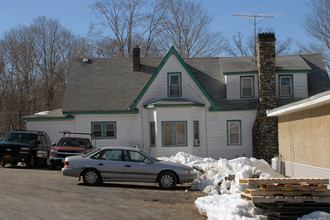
[190, 171]
[53, 153]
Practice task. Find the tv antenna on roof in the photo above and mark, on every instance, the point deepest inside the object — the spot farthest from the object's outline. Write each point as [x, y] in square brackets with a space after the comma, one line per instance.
[253, 19]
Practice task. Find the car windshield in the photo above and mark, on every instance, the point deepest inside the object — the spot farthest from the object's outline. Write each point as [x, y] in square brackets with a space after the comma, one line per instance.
[150, 156]
[72, 142]
[20, 137]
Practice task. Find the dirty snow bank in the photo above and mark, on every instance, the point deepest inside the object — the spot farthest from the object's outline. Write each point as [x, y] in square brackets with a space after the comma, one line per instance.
[219, 179]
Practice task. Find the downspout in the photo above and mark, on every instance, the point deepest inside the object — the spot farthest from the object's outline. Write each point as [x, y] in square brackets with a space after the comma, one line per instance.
[142, 122]
[206, 147]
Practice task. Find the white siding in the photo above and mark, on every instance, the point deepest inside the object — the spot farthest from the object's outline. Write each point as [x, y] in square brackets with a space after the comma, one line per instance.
[128, 128]
[300, 84]
[217, 134]
[301, 170]
[233, 83]
[158, 89]
[52, 127]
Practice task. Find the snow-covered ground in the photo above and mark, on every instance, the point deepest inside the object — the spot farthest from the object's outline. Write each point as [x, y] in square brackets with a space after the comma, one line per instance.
[219, 180]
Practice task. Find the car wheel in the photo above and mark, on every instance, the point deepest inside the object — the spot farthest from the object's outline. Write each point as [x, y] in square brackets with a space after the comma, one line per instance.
[51, 166]
[92, 177]
[31, 162]
[167, 180]
[3, 164]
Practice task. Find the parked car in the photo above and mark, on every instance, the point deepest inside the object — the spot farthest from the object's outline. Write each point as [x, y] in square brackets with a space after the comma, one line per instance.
[29, 147]
[68, 146]
[126, 164]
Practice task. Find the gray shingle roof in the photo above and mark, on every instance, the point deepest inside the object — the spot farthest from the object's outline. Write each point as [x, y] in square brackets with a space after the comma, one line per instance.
[110, 84]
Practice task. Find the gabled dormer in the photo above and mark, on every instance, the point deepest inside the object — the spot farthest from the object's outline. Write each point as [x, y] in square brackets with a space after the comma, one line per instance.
[173, 83]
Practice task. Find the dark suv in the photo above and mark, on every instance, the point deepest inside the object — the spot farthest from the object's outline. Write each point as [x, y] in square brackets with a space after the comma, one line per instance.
[30, 147]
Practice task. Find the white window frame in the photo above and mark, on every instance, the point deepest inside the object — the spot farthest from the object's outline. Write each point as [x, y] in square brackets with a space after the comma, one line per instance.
[290, 86]
[251, 86]
[170, 84]
[231, 132]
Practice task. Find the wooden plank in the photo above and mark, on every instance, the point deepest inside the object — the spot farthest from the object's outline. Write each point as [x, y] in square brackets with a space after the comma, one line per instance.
[293, 187]
[260, 192]
[255, 181]
[273, 199]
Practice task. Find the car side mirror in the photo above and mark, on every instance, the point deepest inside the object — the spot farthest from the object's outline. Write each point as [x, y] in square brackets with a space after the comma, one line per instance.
[147, 161]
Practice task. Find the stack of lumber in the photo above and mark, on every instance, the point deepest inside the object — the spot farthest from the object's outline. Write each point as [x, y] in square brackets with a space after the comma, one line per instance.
[288, 198]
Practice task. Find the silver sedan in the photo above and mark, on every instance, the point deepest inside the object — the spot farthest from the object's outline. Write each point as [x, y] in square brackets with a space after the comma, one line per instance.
[126, 164]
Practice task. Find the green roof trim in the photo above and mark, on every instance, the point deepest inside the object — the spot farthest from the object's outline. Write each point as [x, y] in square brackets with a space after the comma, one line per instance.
[101, 113]
[230, 110]
[293, 71]
[256, 72]
[48, 118]
[173, 106]
[170, 52]
[240, 73]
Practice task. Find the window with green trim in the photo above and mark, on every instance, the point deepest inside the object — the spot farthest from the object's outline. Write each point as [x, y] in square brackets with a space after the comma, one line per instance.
[152, 134]
[174, 133]
[104, 130]
[234, 132]
[247, 86]
[196, 133]
[285, 84]
[174, 84]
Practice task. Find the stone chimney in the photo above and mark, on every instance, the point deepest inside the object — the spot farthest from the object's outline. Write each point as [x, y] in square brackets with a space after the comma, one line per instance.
[265, 129]
[136, 58]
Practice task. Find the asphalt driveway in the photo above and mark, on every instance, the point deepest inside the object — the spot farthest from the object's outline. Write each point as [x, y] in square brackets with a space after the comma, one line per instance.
[47, 194]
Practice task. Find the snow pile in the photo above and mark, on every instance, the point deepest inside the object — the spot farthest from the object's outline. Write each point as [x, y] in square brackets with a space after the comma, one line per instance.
[42, 113]
[219, 179]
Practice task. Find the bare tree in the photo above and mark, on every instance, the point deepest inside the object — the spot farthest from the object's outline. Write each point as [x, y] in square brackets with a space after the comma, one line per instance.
[18, 75]
[149, 39]
[317, 22]
[34, 63]
[245, 47]
[187, 28]
[317, 25]
[54, 48]
[120, 18]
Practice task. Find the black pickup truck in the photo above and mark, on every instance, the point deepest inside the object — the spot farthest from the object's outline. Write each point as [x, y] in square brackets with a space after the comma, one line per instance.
[29, 147]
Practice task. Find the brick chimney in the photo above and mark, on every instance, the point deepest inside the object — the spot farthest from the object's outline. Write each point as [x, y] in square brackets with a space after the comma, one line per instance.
[265, 129]
[136, 58]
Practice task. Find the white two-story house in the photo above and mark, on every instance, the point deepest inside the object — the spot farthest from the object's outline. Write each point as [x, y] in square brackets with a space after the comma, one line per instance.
[203, 106]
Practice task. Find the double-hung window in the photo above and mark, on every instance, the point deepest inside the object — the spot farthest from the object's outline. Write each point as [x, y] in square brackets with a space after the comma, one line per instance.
[174, 133]
[104, 130]
[247, 88]
[285, 86]
[234, 132]
[174, 84]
